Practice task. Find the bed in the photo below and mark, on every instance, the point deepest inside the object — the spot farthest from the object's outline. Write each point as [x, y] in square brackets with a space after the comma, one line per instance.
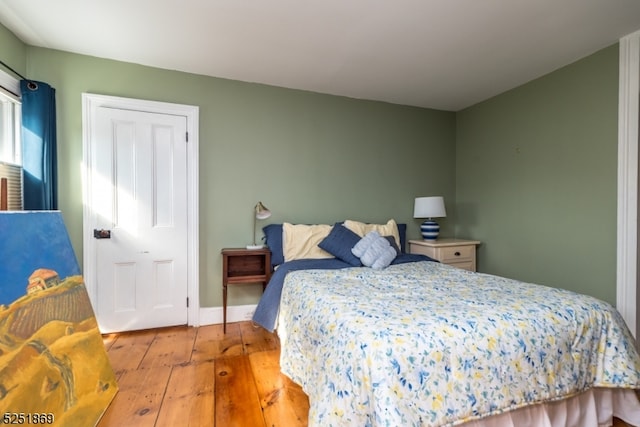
[419, 343]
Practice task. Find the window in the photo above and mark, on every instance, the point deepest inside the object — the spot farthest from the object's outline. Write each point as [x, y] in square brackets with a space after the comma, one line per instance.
[11, 180]
[10, 114]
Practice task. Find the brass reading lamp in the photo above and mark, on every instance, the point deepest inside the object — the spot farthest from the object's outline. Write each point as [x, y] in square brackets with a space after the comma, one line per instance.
[260, 212]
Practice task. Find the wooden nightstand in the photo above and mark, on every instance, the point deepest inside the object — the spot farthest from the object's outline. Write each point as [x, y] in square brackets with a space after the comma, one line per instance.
[240, 265]
[456, 252]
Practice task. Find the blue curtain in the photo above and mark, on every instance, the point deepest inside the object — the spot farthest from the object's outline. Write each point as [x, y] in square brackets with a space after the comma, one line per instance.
[39, 160]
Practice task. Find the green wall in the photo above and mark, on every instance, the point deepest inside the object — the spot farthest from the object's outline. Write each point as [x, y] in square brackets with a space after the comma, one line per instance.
[536, 171]
[14, 52]
[531, 172]
[308, 157]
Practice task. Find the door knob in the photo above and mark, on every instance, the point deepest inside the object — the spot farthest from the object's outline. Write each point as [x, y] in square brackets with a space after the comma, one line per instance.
[102, 234]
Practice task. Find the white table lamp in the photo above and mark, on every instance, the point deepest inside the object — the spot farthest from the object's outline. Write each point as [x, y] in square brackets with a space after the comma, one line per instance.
[429, 208]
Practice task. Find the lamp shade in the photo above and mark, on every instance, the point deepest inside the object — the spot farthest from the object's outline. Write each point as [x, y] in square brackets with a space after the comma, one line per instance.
[429, 207]
[262, 212]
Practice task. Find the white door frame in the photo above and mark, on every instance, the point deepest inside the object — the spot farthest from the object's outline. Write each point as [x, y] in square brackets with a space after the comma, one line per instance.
[627, 241]
[90, 101]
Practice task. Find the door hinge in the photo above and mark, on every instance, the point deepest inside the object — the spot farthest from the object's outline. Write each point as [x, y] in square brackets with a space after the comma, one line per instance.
[187, 136]
[187, 302]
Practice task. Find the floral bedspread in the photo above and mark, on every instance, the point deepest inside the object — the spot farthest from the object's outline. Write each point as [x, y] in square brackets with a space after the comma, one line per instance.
[426, 344]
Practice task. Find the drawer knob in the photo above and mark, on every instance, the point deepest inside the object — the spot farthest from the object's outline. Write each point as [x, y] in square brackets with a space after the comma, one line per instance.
[457, 254]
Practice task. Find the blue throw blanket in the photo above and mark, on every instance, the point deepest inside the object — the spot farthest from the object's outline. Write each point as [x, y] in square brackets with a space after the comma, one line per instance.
[267, 310]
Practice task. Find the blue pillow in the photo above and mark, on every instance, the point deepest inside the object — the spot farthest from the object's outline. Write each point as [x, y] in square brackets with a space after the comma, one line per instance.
[273, 238]
[402, 231]
[339, 243]
[375, 251]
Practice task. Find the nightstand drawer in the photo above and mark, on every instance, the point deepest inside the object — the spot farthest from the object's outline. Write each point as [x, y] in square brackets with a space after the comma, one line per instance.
[422, 250]
[468, 265]
[457, 253]
[247, 265]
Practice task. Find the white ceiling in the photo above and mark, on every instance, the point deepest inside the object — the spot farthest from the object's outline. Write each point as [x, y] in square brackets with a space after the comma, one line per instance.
[444, 54]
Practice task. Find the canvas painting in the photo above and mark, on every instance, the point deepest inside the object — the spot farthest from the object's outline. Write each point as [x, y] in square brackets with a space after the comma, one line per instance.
[53, 365]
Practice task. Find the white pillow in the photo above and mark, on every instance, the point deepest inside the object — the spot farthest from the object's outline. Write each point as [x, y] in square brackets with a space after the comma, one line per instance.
[300, 241]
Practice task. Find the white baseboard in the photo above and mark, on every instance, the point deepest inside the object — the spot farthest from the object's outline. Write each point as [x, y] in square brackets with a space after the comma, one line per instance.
[236, 313]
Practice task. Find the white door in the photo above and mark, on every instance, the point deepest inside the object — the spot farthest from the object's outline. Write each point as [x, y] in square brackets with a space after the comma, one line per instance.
[138, 196]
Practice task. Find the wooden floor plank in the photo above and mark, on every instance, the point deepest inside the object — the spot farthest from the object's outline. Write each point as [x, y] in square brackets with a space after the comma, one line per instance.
[127, 351]
[190, 399]
[139, 399]
[212, 343]
[255, 338]
[108, 340]
[283, 402]
[171, 346]
[237, 401]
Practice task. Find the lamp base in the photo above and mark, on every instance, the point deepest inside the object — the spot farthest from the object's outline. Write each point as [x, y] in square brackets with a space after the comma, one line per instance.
[255, 247]
[430, 230]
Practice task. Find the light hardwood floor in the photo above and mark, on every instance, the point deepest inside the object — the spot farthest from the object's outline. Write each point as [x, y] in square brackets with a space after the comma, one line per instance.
[201, 377]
